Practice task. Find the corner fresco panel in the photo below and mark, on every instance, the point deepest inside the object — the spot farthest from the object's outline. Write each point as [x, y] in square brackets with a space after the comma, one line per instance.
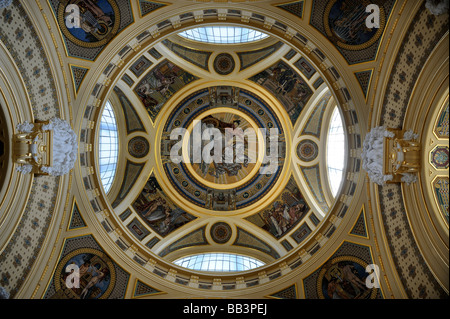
[158, 85]
[284, 213]
[287, 86]
[158, 211]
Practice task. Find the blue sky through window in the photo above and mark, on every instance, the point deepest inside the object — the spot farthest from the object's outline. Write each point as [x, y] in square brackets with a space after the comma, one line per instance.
[108, 147]
[219, 262]
[223, 34]
[335, 151]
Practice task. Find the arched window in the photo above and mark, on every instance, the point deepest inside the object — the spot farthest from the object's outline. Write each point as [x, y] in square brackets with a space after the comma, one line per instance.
[108, 147]
[223, 34]
[219, 262]
[335, 151]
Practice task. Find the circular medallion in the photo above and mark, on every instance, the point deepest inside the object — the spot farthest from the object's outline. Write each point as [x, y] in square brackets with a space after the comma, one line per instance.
[345, 24]
[221, 232]
[138, 147]
[89, 24]
[224, 64]
[440, 157]
[97, 275]
[344, 278]
[307, 150]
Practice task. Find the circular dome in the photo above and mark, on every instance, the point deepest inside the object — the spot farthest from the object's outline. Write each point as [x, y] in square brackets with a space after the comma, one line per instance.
[221, 177]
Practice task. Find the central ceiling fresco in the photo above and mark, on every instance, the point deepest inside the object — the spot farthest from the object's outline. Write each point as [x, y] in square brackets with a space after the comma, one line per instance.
[215, 184]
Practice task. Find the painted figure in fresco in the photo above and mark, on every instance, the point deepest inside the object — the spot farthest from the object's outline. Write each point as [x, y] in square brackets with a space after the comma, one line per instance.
[150, 188]
[163, 218]
[335, 290]
[158, 82]
[145, 93]
[295, 212]
[286, 212]
[163, 81]
[345, 280]
[230, 169]
[97, 278]
[349, 274]
[95, 11]
[156, 210]
[283, 77]
[290, 84]
[302, 91]
[348, 24]
[85, 267]
[157, 85]
[287, 85]
[174, 219]
[94, 278]
[282, 217]
[94, 20]
[153, 209]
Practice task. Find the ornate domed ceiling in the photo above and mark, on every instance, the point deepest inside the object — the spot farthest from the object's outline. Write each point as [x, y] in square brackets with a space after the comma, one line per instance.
[232, 136]
[224, 133]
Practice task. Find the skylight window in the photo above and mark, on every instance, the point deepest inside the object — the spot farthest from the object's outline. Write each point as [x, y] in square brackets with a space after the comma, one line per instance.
[219, 262]
[223, 34]
[108, 147]
[335, 152]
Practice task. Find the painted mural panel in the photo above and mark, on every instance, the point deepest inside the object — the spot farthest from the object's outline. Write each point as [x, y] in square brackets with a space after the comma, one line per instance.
[158, 211]
[160, 84]
[99, 22]
[344, 275]
[287, 86]
[344, 278]
[97, 275]
[343, 22]
[346, 22]
[138, 229]
[284, 213]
